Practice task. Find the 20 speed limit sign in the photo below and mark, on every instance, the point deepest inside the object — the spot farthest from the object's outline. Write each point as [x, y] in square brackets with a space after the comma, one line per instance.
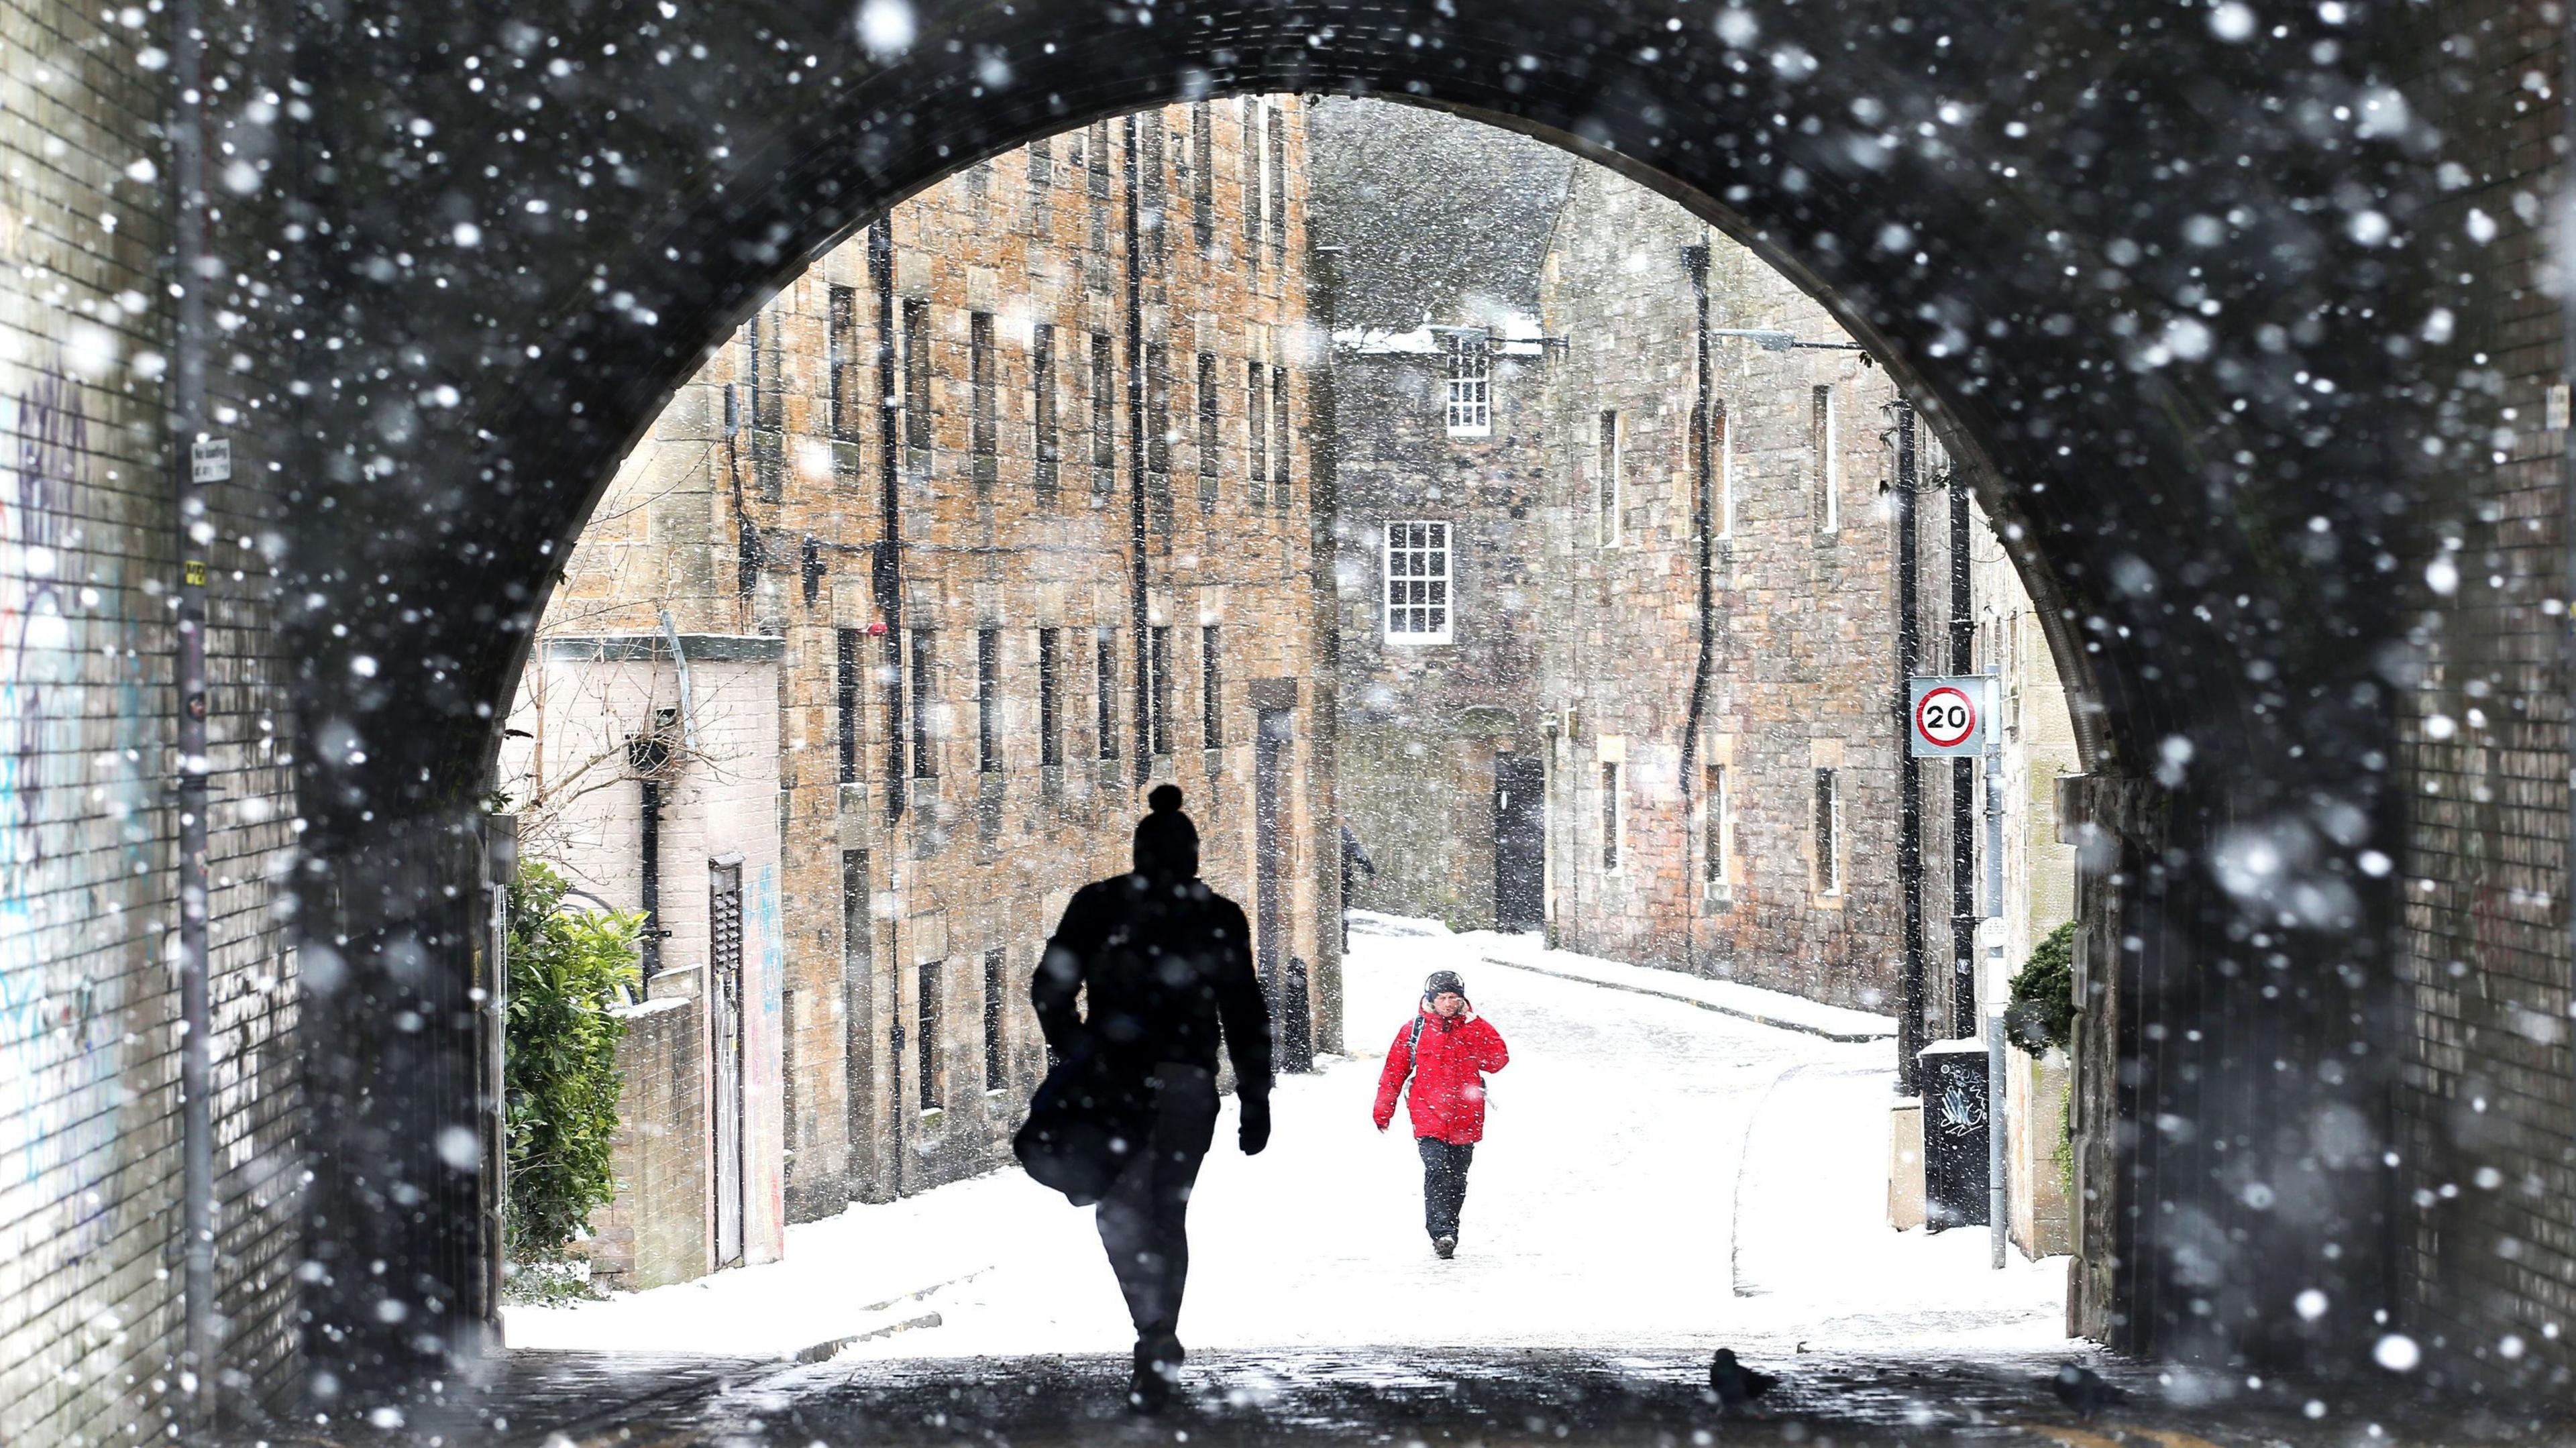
[1948, 716]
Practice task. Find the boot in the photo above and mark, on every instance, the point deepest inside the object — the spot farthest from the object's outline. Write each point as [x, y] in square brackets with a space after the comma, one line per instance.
[1158, 1372]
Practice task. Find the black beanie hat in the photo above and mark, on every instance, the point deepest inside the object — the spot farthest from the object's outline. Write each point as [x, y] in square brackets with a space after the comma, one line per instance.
[1443, 982]
[1166, 842]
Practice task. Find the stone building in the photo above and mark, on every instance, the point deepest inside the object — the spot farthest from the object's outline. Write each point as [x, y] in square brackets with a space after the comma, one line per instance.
[1526, 475]
[1436, 228]
[1723, 779]
[1010, 494]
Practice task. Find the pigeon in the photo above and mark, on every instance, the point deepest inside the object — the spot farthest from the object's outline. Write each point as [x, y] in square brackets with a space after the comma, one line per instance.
[1733, 1382]
[2084, 1390]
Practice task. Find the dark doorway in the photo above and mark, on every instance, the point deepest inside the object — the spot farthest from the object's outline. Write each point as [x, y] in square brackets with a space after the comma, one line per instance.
[1269, 911]
[724, 1022]
[1520, 842]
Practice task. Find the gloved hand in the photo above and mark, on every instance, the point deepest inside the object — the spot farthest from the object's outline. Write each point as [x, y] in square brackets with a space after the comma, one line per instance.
[1256, 1123]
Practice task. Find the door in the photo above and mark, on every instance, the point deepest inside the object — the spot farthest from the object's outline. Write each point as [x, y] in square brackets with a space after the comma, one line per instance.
[1270, 760]
[1520, 843]
[724, 1031]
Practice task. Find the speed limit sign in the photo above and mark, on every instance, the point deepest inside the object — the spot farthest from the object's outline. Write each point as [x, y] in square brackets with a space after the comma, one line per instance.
[1947, 717]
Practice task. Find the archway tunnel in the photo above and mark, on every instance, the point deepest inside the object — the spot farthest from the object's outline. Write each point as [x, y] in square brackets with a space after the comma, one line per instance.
[2186, 293]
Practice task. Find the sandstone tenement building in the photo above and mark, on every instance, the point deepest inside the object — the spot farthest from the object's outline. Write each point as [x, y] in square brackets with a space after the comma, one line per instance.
[1526, 477]
[1010, 496]
[1438, 226]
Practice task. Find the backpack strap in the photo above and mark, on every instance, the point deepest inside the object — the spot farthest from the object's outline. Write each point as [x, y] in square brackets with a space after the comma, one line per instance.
[1413, 1047]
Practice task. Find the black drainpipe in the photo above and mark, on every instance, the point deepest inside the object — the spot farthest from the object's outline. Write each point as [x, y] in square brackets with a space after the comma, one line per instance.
[1963, 782]
[885, 580]
[1136, 611]
[1695, 259]
[1909, 838]
[647, 754]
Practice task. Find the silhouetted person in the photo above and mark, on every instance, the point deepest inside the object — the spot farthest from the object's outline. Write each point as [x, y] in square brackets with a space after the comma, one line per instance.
[1355, 858]
[1165, 963]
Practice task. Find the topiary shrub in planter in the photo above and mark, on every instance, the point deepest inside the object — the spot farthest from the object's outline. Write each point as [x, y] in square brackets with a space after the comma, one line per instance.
[2042, 1012]
[560, 1078]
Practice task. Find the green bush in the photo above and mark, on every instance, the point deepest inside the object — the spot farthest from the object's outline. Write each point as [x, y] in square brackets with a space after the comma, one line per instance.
[560, 1074]
[2042, 1013]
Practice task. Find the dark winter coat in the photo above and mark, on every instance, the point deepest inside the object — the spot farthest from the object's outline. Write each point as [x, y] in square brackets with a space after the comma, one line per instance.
[1161, 963]
[1448, 1063]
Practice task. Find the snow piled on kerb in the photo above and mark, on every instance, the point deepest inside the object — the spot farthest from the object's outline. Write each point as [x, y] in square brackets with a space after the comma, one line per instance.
[1752, 1003]
[1656, 1176]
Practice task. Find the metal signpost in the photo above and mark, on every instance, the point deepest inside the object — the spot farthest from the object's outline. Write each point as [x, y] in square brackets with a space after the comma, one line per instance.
[1950, 716]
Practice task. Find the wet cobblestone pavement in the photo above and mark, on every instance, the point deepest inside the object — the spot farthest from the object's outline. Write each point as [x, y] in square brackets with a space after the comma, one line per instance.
[1401, 1396]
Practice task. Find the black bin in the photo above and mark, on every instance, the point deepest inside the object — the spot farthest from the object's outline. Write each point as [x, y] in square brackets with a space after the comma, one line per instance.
[1954, 1133]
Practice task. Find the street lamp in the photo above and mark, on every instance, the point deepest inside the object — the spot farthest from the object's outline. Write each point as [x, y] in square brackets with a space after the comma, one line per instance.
[1772, 339]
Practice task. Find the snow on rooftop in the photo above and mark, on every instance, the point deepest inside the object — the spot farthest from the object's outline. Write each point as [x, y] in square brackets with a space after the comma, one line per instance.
[1510, 334]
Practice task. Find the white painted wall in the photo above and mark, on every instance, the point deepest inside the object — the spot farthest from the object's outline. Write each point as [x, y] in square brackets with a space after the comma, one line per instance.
[581, 812]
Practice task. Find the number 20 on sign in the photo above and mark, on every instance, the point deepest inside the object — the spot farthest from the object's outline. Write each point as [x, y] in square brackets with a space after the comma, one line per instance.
[1946, 716]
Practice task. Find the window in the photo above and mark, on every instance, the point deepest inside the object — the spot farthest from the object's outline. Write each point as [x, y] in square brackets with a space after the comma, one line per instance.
[1829, 834]
[929, 1073]
[1099, 155]
[1050, 442]
[845, 699]
[984, 422]
[1251, 157]
[988, 700]
[1149, 164]
[1829, 470]
[761, 366]
[1610, 821]
[1605, 475]
[1278, 187]
[1718, 817]
[995, 1052]
[1203, 178]
[1158, 413]
[1104, 413]
[1471, 386]
[1105, 678]
[1256, 407]
[842, 346]
[890, 681]
[1211, 691]
[1041, 163]
[1721, 452]
[1279, 475]
[1417, 583]
[916, 385]
[1050, 697]
[1158, 687]
[925, 761]
[1210, 447]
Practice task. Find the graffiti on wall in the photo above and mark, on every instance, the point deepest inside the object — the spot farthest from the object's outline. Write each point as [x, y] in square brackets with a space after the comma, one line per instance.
[75, 837]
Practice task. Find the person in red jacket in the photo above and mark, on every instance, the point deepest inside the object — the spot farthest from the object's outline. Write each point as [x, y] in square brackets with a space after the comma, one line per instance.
[1446, 1051]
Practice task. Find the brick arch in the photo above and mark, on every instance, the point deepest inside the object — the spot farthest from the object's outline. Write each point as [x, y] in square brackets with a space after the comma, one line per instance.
[2004, 207]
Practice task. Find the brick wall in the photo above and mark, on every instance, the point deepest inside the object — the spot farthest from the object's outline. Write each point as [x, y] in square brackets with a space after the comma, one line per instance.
[90, 1309]
[656, 1231]
[2488, 1161]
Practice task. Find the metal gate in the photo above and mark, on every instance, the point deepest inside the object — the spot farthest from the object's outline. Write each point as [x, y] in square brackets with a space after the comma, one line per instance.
[724, 1029]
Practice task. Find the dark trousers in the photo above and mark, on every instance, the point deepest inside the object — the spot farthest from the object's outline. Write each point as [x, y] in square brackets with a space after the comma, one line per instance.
[1444, 1182]
[1143, 1219]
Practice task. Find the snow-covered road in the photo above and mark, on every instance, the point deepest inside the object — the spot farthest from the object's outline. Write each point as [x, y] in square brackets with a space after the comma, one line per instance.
[1653, 1173]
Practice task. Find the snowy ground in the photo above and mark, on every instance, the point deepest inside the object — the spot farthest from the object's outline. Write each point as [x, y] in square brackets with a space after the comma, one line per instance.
[1654, 1172]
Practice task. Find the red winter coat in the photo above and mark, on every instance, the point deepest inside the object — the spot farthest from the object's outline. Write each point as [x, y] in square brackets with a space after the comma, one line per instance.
[1448, 1064]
